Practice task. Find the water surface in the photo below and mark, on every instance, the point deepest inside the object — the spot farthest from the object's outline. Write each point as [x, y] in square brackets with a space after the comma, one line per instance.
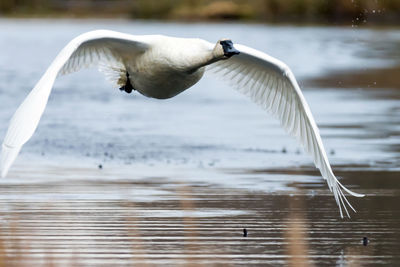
[181, 178]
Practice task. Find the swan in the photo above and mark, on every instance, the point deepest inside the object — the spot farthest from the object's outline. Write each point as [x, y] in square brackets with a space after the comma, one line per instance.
[161, 67]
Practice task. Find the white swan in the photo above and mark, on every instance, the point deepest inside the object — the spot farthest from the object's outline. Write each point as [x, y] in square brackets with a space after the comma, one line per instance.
[161, 67]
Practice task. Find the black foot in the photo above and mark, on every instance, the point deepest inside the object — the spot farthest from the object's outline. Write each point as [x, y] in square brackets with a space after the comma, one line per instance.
[126, 89]
[128, 86]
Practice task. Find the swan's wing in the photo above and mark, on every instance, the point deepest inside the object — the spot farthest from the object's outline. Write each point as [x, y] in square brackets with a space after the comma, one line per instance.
[97, 47]
[272, 85]
[109, 51]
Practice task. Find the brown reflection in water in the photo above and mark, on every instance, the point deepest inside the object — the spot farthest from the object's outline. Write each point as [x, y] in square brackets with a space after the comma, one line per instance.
[369, 78]
[138, 250]
[12, 251]
[3, 253]
[195, 224]
[189, 225]
[353, 255]
[295, 235]
[192, 243]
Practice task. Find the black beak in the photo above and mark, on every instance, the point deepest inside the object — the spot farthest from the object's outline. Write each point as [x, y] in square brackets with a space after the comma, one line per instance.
[229, 50]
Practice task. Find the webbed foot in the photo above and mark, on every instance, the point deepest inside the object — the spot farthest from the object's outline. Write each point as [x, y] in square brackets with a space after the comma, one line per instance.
[126, 89]
[128, 86]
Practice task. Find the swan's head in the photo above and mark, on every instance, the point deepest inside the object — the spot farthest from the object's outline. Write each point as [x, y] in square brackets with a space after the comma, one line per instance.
[224, 49]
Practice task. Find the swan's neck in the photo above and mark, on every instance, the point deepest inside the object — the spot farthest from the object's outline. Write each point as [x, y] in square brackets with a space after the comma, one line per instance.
[202, 60]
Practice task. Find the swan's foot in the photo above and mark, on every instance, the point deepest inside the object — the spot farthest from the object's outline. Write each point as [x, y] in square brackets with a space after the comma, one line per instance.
[128, 86]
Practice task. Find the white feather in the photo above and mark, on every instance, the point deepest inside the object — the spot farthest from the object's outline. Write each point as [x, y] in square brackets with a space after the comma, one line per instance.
[165, 66]
[115, 73]
[277, 91]
[26, 119]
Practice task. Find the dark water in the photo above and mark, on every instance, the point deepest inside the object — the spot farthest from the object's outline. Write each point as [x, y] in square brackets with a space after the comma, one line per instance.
[107, 217]
[182, 178]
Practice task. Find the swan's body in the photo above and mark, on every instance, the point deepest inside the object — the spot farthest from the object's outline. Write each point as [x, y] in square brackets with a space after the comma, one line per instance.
[162, 67]
[171, 70]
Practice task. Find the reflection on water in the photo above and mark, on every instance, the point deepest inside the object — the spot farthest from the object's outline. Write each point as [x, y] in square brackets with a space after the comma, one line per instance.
[72, 219]
[182, 178]
[295, 235]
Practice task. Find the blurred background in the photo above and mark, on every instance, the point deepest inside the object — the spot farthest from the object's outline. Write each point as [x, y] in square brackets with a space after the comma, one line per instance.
[356, 12]
[116, 179]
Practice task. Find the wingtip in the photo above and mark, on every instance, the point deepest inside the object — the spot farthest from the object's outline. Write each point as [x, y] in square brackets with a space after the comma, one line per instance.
[349, 191]
[353, 193]
[3, 173]
[8, 156]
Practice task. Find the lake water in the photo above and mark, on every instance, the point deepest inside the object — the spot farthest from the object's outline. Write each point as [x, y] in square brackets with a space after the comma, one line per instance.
[181, 178]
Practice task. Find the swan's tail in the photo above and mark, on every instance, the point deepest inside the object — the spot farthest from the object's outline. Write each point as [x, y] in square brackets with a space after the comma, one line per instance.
[115, 72]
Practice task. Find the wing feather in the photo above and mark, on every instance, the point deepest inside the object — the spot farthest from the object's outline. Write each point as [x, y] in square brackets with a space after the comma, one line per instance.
[272, 85]
[85, 50]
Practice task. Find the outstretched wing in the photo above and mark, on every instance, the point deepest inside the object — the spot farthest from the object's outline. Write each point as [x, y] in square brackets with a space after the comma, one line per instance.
[106, 48]
[272, 85]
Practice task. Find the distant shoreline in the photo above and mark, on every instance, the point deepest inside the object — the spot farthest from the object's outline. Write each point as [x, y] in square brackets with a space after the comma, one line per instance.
[249, 22]
[302, 12]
